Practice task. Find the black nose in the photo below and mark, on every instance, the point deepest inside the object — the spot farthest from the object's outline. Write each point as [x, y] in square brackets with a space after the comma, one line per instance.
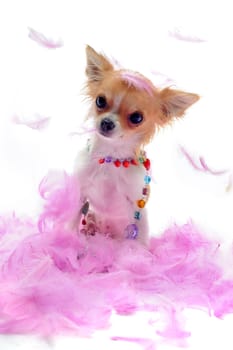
[107, 125]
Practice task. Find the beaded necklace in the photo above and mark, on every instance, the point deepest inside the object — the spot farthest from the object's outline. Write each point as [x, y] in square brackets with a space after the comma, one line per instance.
[131, 230]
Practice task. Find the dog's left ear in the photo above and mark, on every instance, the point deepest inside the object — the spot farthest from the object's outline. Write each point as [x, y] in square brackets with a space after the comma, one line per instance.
[175, 102]
[97, 64]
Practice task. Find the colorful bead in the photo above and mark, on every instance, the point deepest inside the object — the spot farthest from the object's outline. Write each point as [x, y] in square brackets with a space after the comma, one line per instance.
[145, 191]
[141, 203]
[146, 164]
[147, 179]
[117, 163]
[108, 159]
[134, 162]
[126, 163]
[85, 208]
[131, 231]
[137, 215]
[141, 159]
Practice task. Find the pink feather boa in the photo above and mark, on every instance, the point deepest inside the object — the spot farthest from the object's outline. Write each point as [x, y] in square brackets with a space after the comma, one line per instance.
[55, 281]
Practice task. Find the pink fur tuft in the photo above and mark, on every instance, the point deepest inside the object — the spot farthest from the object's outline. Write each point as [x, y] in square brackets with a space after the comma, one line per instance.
[137, 81]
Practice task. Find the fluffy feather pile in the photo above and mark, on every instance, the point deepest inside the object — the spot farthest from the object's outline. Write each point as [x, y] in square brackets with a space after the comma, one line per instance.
[55, 281]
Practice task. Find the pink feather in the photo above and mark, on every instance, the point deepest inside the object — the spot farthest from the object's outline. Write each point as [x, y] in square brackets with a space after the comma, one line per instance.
[61, 194]
[213, 172]
[55, 281]
[85, 130]
[177, 34]
[203, 167]
[166, 80]
[147, 344]
[36, 121]
[42, 40]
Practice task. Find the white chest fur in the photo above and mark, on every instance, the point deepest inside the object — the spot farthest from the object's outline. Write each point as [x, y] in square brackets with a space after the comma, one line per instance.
[111, 191]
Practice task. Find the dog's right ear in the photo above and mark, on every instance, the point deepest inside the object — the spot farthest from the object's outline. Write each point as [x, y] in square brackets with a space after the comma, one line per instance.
[97, 64]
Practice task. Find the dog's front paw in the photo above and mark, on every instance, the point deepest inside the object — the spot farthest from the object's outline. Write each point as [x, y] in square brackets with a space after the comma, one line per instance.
[89, 226]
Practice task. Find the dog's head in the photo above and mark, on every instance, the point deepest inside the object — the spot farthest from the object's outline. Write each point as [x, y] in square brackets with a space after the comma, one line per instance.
[126, 105]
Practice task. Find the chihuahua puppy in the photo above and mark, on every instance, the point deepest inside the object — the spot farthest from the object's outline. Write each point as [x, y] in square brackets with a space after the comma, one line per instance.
[113, 170]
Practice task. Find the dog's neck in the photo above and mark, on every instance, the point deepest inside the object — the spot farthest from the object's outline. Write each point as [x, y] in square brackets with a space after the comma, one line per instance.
[100, 147]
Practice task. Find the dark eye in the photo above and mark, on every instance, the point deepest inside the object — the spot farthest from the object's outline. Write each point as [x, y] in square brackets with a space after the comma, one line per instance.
[101, 102]
[136, 118]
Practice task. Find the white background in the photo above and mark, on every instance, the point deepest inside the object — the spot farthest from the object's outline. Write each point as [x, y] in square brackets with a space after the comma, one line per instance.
[141, 35]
